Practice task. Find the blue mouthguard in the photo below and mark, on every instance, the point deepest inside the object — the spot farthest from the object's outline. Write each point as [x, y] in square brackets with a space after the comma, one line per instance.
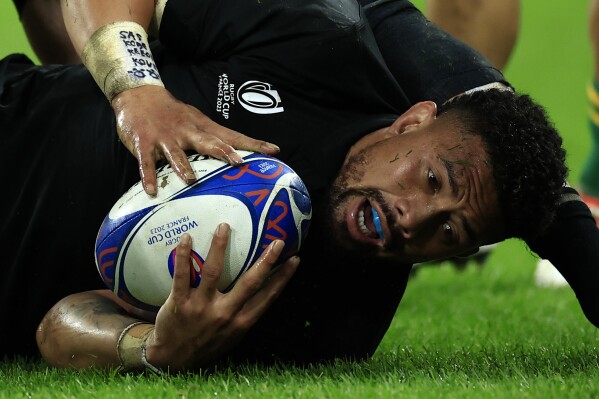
[377, 223]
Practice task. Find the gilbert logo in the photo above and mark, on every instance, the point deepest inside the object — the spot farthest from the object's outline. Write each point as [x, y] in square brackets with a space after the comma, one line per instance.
[259, 98]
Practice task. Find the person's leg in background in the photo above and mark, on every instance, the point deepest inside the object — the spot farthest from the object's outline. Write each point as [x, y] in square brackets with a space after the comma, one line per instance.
[43, 23]
[589, 181]
[489, 26]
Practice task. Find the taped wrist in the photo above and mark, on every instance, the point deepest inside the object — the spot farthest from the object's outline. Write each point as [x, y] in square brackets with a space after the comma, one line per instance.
[131, 347]
[119, 58]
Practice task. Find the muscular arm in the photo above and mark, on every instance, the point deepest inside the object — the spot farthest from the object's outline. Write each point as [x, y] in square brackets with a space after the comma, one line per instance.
[83, 329]
[84, 17]
[111, 38]
[194, 327]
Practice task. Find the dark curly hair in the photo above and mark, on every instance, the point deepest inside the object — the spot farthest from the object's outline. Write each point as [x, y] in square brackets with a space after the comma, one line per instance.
[526, 152]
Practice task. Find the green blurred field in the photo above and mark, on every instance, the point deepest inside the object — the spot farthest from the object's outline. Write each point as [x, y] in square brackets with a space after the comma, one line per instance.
[480, 333]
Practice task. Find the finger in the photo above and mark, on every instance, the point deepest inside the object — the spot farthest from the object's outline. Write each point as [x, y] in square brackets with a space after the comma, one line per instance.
[272, 288]
[213, 266]
[216, 148]
[147, 172]
[251, 281]
[180, 164]
[243, 142]
[181, 275]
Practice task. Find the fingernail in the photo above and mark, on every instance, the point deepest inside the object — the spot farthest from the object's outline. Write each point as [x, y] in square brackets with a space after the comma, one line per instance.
[190, 177]
[151, 190]
[295, 261]
[270, 147]
[278, 246]
[185, 239]
[234, 158]
[222, 229]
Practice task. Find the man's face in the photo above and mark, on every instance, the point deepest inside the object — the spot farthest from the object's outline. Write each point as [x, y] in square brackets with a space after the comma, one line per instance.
[431, 187]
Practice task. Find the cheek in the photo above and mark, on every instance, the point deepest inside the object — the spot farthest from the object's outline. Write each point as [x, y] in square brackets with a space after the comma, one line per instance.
[404, 175]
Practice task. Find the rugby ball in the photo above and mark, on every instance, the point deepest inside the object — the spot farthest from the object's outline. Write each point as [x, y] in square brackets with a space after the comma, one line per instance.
[262, 200]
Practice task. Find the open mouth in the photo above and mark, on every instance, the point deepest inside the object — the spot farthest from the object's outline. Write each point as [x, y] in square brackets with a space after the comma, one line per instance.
[369, 222]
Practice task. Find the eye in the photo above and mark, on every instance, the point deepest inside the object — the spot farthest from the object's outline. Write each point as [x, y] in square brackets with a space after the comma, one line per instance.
[448, 232]
[432, 180]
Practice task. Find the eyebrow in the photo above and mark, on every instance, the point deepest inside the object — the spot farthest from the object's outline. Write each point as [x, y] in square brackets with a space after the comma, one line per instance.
[451, 177]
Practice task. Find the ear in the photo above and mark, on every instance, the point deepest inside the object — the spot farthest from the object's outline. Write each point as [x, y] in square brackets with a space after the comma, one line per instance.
[419, 113]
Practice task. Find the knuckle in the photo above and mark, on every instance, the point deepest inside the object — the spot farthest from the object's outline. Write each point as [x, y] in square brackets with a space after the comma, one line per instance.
[251, 284]
[211, 273]
[222, 319]
[219, 242]
[241, 323]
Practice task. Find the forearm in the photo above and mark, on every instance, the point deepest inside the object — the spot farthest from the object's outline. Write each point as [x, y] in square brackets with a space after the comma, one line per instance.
[84, 17]
[83, 330]
[111, 38]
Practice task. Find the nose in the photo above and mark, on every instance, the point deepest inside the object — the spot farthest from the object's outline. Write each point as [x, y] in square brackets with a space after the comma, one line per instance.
[420, 214]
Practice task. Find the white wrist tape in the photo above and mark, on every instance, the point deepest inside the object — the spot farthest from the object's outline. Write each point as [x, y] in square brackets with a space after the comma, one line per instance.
[131, 347]
[119, 58]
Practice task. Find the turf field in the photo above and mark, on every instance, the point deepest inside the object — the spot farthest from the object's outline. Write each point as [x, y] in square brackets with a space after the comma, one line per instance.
[484, 332]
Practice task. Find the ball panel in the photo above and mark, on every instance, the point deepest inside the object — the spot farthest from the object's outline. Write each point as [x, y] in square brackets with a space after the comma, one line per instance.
[109, 241]
[143, 264]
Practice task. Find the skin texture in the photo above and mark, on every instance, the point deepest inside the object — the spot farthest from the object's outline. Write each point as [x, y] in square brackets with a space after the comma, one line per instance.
[192, 328]
[428, 181]
[490, 26]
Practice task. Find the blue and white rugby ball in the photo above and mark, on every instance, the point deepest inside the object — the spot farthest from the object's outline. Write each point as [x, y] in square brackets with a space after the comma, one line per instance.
[262, 200]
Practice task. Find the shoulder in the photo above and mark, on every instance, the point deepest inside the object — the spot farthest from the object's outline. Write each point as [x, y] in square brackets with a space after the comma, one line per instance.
[337, 13]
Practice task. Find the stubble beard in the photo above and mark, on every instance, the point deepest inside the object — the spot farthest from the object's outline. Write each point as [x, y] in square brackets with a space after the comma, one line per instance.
[340, 192]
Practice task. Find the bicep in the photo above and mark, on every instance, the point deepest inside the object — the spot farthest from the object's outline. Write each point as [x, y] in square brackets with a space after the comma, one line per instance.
[82, 330]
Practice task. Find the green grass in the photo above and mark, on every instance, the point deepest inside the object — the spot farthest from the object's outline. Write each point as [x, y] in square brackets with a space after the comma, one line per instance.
[482, 332]
[479, 333]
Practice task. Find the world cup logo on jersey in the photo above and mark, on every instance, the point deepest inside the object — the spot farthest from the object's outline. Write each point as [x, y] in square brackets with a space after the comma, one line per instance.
[259, 98]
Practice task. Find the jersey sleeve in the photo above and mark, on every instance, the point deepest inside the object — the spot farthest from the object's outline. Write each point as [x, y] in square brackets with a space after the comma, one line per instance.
[571, 244]
[428, 63]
